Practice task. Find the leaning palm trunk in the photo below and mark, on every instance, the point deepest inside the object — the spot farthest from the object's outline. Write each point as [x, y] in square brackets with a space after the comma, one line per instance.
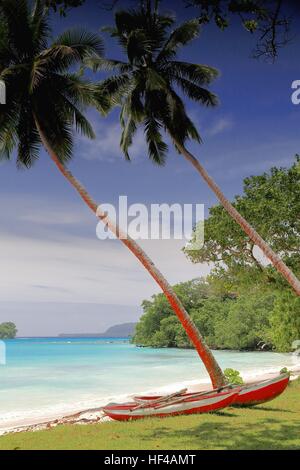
[252, 234]
[213, 369]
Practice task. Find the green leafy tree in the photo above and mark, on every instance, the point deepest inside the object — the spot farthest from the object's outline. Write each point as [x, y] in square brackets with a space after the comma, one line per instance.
[46, 101]
[246, 324]
[158, 322]
[249, 321]
[285, 322]
[271, 202]
[145, 87]
[8, 330]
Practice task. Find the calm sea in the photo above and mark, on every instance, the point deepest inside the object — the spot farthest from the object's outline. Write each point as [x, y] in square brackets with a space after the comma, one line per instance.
[49, 376]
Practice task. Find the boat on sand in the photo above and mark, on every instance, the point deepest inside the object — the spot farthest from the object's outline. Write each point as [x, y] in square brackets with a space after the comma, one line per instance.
[181, 402]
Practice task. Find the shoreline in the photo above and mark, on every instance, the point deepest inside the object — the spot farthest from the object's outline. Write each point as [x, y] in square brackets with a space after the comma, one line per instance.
[95, 415]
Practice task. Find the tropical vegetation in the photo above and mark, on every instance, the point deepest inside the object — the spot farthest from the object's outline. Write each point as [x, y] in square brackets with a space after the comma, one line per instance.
[46, 101]
[244, 304]
[146, 85]
[259, 320]
[8, 330]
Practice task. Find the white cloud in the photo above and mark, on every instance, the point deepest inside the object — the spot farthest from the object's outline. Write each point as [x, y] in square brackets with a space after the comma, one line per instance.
[85, 270]
[44, 264]
[57, 217]
[52, 265]
[221, 125]
[106, 146]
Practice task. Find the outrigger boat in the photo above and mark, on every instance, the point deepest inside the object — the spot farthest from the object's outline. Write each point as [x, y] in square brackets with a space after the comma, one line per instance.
[172, 405]
[249, 394]
[181, 402]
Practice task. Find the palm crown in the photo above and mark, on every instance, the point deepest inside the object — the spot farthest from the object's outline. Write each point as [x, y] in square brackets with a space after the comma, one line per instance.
[146, 85]
[41, 90]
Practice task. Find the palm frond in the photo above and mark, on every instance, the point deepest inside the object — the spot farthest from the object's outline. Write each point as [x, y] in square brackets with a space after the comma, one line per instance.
[138, 47]
[71, 48]
[157, 148]
[38, 83]
[40, 26]
[154, 26]
[16, 15]
[135, 104]
[197, 93]
[196, 73]
[58, 132]
[29, 140]
[98, 64]
[177, 122]
[116, 87]
[155, 81]
[129, 130]
[75, 117]
[181, 36]
[9, 118]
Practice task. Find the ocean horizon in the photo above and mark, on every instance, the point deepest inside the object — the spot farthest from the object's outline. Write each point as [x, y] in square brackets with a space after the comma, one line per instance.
[54, 376]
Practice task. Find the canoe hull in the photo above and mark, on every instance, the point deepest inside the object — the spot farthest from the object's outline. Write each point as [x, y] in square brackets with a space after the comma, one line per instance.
[204, 404]
[257, 394]
[252, 394]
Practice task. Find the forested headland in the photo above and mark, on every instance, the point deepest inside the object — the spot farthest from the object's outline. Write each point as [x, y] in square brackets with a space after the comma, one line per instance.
[243, 304]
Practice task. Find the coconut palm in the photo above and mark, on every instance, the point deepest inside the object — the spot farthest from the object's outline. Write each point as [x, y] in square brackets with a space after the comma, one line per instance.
[146, 86]
[44, 104]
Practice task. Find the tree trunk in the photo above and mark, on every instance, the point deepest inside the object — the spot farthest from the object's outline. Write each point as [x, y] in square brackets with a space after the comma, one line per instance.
[252, 234]
[213, 368]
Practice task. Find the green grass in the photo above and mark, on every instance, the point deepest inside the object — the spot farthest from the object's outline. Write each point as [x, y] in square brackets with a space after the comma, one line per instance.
[275, 425]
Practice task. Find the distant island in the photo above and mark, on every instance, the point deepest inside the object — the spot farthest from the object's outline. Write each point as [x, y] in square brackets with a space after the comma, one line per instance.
[8, 330]
[124, 330]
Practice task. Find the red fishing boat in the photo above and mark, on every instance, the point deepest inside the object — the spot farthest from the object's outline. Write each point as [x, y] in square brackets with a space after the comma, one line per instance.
[172, 405]
[249, 394]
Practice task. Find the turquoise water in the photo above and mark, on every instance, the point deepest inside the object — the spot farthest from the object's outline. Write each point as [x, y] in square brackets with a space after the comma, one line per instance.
[49, 376]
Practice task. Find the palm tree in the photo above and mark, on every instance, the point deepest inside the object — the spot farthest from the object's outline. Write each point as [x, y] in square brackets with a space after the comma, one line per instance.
[145, 87]
[45, 102]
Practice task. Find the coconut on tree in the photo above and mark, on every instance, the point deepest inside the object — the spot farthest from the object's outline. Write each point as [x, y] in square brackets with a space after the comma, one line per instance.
[145, 85]
[46, 101]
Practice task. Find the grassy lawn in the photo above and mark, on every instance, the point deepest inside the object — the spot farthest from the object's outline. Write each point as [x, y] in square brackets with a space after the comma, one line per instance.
[275, 425]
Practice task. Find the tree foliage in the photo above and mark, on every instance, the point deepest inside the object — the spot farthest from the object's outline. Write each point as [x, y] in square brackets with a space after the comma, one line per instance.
[62, 6]
[259, 319]
[8, 330]
[243, 304]
[148, 83]
[269, 21]
[42, 83]
[271, 204]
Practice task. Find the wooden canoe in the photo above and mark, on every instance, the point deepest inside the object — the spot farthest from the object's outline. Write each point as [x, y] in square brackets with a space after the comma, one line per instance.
[202, 402]
[249, 394]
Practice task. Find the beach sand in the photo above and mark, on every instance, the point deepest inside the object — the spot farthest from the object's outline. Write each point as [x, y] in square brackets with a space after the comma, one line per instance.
[95, 415]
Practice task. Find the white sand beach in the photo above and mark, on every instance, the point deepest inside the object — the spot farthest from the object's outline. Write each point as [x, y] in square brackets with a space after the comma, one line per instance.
[95, 415]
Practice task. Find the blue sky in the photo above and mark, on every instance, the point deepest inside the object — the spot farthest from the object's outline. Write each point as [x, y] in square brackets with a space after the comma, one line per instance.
[49, 255]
